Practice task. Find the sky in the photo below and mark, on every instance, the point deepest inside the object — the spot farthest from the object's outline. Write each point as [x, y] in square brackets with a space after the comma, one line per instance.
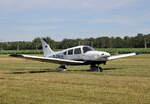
[24, 20]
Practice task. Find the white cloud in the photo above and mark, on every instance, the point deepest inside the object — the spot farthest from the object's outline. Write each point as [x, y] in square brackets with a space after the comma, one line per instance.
[64, 4]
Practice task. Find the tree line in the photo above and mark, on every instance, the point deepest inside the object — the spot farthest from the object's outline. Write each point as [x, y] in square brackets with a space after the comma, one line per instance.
[139, 41]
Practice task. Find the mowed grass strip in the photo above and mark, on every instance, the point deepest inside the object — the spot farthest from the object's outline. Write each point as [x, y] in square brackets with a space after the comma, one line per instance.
[124, 81]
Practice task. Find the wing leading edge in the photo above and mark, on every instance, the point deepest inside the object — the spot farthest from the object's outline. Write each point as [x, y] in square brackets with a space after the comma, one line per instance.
[121, 56]
[51, 60]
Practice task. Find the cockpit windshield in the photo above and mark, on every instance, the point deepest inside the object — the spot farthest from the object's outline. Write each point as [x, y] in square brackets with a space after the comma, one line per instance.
[87, 48]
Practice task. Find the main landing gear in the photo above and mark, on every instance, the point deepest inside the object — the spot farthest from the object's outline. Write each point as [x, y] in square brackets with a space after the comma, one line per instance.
[93, 68]
[96, 68]
[62, 68]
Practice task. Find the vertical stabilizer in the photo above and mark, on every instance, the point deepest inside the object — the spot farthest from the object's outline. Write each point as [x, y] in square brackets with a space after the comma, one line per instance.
[46, 48]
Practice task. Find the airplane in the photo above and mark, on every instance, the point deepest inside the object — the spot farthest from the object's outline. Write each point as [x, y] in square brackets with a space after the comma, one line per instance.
[79, 55]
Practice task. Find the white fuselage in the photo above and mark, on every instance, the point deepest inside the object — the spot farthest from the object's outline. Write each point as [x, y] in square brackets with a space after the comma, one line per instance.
[84, 53]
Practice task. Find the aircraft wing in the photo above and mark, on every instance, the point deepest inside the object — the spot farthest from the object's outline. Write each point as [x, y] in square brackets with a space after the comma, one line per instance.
[46, 59]
[121, 56]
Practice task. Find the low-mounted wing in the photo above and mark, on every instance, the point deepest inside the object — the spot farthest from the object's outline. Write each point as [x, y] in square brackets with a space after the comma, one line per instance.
[51, 60]
[121, 56]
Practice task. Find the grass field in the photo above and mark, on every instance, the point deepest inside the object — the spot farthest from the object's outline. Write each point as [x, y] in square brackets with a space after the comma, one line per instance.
[123, 81]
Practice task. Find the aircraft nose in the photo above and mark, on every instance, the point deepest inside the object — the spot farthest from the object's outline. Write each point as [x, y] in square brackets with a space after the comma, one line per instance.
[104, 54]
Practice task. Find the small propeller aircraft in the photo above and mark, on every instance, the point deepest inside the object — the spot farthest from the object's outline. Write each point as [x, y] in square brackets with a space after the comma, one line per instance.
[79, 55]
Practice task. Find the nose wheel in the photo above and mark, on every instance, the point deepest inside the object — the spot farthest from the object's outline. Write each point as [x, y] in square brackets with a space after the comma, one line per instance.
[96, 68]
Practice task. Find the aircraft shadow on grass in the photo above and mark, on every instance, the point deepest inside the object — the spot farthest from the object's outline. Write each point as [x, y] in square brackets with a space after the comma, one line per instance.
[35, 71]
[87, 70]
[52, 70]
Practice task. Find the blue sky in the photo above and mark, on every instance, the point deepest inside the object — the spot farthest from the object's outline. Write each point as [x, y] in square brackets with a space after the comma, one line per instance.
[59, 19]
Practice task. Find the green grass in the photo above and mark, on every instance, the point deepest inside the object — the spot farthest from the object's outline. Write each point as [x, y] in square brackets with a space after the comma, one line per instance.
[123, 81]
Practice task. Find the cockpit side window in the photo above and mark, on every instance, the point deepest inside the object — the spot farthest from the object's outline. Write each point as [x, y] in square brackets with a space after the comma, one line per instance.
[65, 53]
[86, 49]
[70, 52]
[77, 51]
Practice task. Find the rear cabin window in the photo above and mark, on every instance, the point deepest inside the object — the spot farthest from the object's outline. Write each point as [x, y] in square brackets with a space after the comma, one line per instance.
[77, 51]
[86, 49]
[70, 52]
